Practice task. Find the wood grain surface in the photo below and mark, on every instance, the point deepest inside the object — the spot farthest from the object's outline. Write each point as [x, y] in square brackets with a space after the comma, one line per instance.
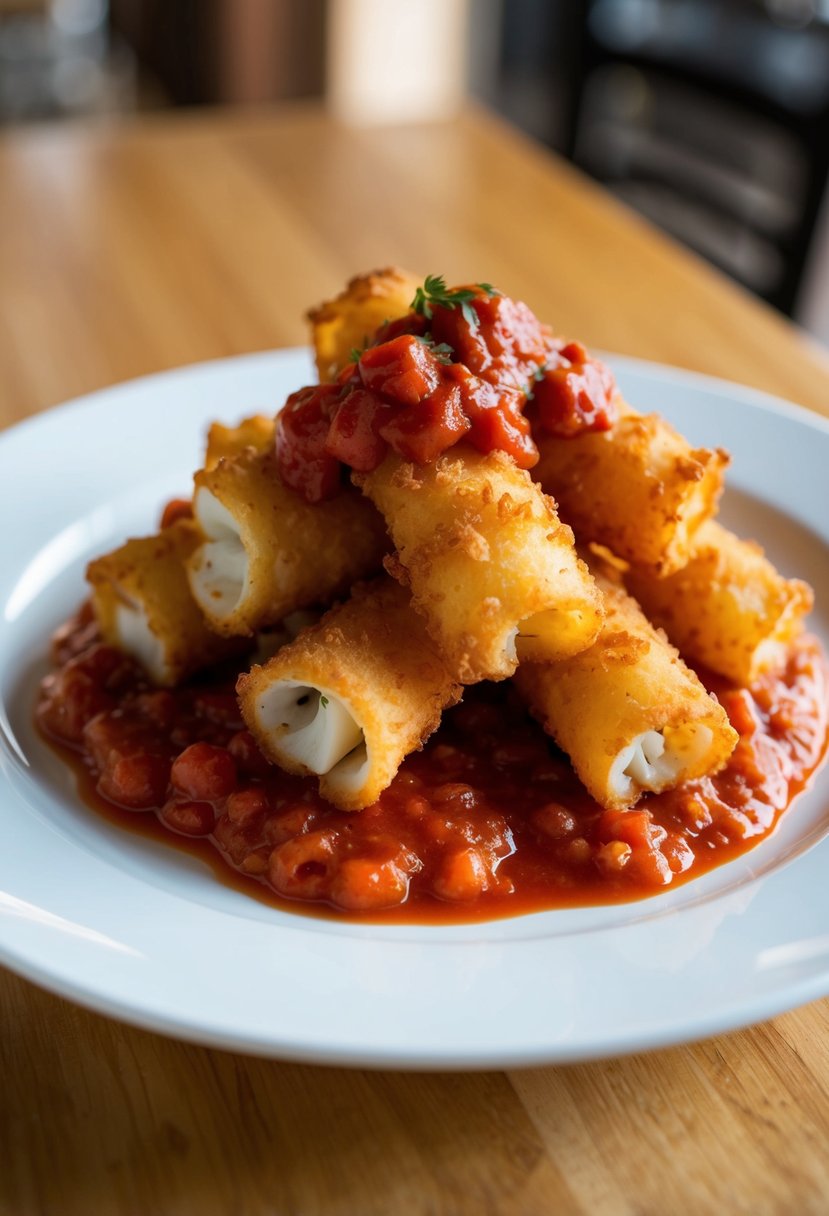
[129, 249]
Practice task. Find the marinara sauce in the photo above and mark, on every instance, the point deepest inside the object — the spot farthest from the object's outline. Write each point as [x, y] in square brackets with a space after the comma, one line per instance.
[487, 821]
[463, 369]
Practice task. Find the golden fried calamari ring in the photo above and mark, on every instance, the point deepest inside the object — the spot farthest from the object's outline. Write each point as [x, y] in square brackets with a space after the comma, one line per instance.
[351, 697]
[254, 432]
[728, 607]
[266, 551]
[627, 711]
[488, 562]
[143, 605]
[639, 488]
[350, 320]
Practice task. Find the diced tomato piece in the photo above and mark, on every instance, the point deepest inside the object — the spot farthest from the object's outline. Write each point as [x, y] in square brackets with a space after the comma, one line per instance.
[136, 780]
[402, 370]
[246, 805]
[70, 699]
[637, 829]
[506, 429]
[354, 436]
[464, 875]
[302, 867]
[132, 764]
[204, 772]
[425, 431]
[189, 818]
[293, 820]
[301, 432]
[634, 827]
[363, 883]
[503, 345]
[575, 394]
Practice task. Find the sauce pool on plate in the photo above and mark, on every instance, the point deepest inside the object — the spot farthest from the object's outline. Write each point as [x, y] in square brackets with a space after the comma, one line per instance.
[487, 821]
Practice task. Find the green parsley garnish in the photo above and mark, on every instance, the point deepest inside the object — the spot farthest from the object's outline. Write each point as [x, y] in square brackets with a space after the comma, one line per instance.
[441, 350]
[435, 292]
[323, 701]
[356, 352]
[538, 376]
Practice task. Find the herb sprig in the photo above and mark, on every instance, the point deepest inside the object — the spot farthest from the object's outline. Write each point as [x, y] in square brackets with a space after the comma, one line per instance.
[441, 350]
[537, 377]
[435, 293]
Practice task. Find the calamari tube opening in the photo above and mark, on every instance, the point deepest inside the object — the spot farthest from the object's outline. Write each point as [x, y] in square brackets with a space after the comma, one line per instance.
[266, 552]
[220, 571]
[318, 728]
[143, 605]
[352, 696]
[627, 711]
[656, 759]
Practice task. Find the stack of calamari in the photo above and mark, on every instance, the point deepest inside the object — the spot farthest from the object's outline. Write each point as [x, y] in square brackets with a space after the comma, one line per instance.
[482, 581]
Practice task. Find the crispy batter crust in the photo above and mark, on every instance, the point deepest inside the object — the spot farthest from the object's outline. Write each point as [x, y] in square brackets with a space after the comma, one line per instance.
[351, 318]
[638, 488]
[629, 682]
[254, 432]
[484, 553]
[374, 654]
[146, 575]
[297, 553]
[728, 607]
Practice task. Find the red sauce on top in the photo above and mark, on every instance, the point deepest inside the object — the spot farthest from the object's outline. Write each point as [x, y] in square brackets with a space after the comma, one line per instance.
[487, 821]
[430, 379]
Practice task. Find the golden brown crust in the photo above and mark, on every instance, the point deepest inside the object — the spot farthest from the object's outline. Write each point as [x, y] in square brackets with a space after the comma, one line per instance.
[638, 488]
[483, 552]
[255, 432]
[146, 576]
[352, 317]
[373, 653]
[629, 682]
[298, 553]
[728, 608]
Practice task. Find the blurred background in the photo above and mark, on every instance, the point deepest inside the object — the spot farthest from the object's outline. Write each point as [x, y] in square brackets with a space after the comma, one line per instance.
[710, 117]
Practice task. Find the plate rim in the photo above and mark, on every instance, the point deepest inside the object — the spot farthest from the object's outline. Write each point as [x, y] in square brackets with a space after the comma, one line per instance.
[789, 995]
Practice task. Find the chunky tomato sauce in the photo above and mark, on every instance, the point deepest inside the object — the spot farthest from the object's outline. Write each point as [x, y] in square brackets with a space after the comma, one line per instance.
[463, 369]
[487, 821]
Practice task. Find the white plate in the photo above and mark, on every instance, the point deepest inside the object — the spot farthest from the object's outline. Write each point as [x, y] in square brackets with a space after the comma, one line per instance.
[140, 931]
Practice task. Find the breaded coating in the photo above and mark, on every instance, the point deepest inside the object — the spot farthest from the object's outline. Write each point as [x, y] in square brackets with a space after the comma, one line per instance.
[351, 318]
[638, 488]
[487, 560]
[143, 605]
[254, 432]
[628, 712]
[351, 697]
[267, 552]
[728, 607]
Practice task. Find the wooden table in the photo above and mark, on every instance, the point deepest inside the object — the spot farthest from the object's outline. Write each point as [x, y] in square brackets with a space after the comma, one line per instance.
[128, 249]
